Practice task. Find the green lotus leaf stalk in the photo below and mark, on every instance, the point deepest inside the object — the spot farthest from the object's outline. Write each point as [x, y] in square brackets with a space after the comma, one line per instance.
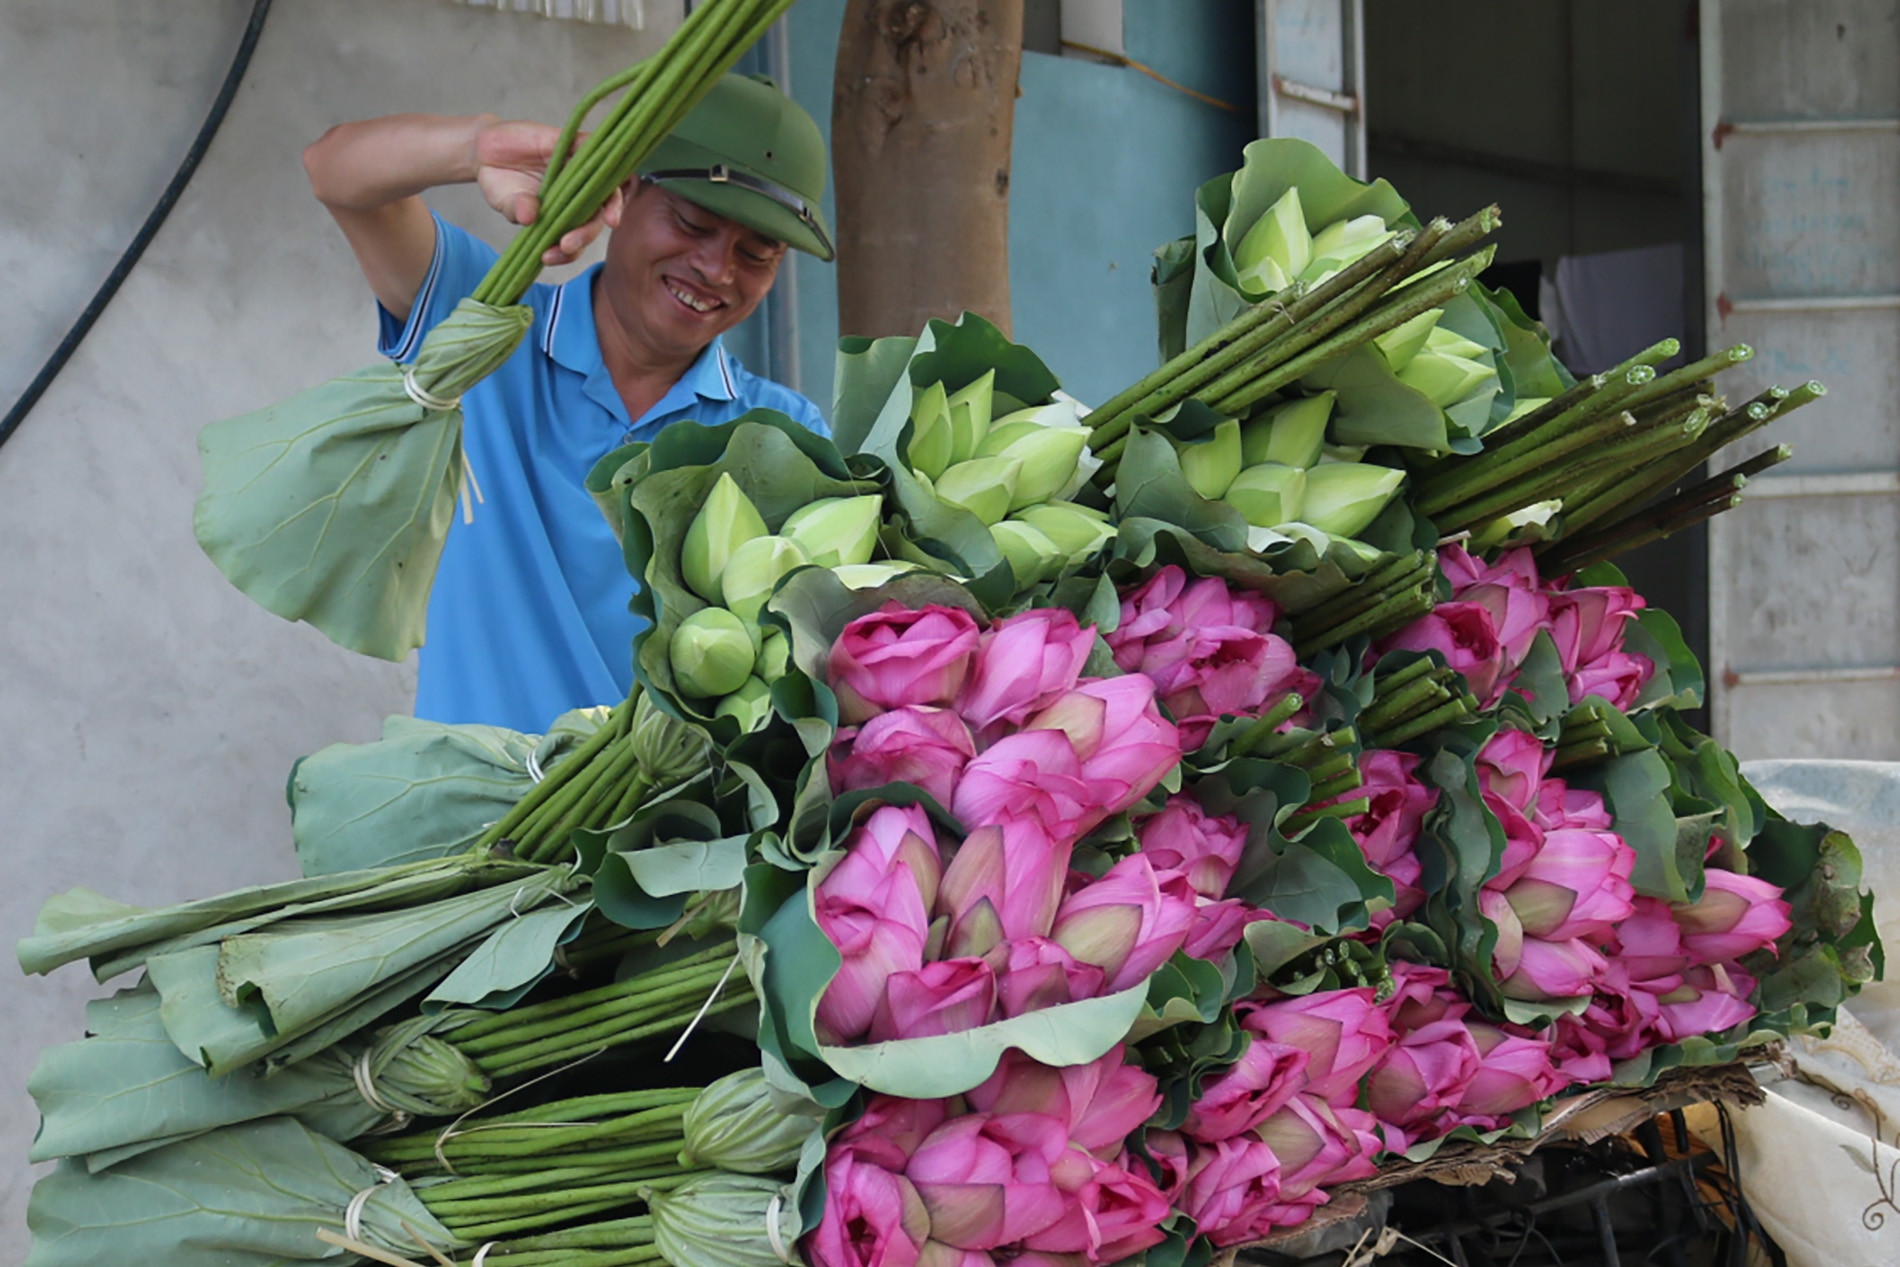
[1342, 498]
[754, 571]
[743, 1124]
[1211, 465]
[712, 653]
[1268, 494]
[986, 487]
[1291, 434]
[836, 531]
[727, 521]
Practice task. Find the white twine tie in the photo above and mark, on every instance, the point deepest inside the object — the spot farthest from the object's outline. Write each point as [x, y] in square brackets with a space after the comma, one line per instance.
[481, 1255]
[772, 1235]
[353, 1212]
[365, 1081]
[422, 396]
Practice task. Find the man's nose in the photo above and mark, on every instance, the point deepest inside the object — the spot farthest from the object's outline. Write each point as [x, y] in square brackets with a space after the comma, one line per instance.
[716, 256]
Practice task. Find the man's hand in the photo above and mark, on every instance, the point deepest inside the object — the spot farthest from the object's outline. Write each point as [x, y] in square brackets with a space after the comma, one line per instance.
[511, 158]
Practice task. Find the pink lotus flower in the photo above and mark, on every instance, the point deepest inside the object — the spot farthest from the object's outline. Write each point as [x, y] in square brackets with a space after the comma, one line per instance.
[1388, 829]
[1345, 1031]
[1577, 885]
[873, 1217]
[1468, 639]
[1118, 1211]
[927, 747]
[1554, 970]
[1587, 626]
[1218, 926]
[1021, 664]
[1260, 1083]
[1712, 998]
[1515, 1072]
[1523, 840]
[1579, 1052]
[1031, 776]
[1648, 943]
[995, 1180]
[1205, 848]
[896, 657]
[1511, 768]
[1421, 1079]
[1507, 588]
[1508, 952]
[892, 1127]
[1004, 883]
[1170, 1155]
[1126, 746]
[1737, 914]
[1560, 805]
[1618, 678]
[1230, 1189]
[873, 907]
[1127, 923]
[1037, 973]
[1320, 1143]
[1102, 1103]
[938, 1254]
[1208, 648]
[944, 997]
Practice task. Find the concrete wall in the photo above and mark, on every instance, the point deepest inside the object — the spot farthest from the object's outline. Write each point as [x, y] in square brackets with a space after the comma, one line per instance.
[152, 712]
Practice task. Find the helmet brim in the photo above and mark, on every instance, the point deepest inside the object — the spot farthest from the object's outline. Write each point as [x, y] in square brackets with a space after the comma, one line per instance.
[758, 211]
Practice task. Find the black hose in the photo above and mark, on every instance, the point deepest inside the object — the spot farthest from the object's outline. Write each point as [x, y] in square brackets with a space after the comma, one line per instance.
[147, 231]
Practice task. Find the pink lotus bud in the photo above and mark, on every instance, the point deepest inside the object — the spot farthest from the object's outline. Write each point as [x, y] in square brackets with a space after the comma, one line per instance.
[1648, 944]
[1117, 1212]
[1007, 879]
[1511, 768]
[1587, 624]
[1579, 1053]
[1231, 1186]
[995, 1180]
[1515, 1073]
[1508, 589]
[1422, 995]
[1577, 885]
[896, 657]
[1171, 1154]
[1711, 999]
[938, 1254]
[1021, 664]
[1218, 926]
[1523, 840]
[945, 997]
[1127, 923]
[1125, 744]
[1267, 1075]
[1389, 827]
[1319, 1143]
[892, 1127]
[872, 906]
[1738, 914]
[1183, 837]
[1553, 970]
[1424, 1075]
[1618, 677]
[1509, 951]
[1102, 1102]
[1032, 776]
[1345, 1031]
[1464, 634]
[1038, 974]
[927, 747]
[1560, 805]
[873, 1218]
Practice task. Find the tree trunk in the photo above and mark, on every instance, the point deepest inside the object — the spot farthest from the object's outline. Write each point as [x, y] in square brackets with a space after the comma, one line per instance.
[923, 108]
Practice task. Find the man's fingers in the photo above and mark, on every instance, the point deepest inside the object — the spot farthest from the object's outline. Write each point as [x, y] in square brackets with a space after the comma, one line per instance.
[526, 209]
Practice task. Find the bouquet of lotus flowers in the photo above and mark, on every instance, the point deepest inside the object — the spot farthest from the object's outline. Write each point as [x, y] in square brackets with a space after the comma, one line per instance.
[1077, 858]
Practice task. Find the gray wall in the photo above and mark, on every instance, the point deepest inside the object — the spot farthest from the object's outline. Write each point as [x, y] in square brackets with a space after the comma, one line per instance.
[152, 711]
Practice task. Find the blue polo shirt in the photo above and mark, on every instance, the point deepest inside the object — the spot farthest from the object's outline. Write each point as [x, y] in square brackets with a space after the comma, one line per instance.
[529, 617]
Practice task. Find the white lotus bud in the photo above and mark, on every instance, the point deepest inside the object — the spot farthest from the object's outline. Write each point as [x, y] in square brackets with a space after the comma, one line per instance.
[1032, 556]
[711, 653]
[1291, 434]
[1445, 380]
[1342, 242]
[1075, 531]
[970, 411]
[931, 443]
[754, 570]
[727, 521]
[750, 705]
[1343, 497]
[1401, 343]
[837, 530]
[1211, 464]
[1268, 494]
[1276, 249]
[983, 486]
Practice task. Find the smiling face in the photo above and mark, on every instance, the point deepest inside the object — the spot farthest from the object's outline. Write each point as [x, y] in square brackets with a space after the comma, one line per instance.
[677, 275]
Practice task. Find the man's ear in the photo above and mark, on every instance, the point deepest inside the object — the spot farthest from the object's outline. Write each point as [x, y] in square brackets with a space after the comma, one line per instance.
[615, 207]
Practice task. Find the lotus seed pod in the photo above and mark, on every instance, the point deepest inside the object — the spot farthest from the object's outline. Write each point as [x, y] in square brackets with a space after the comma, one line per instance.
[712, 653]
[1342, 498]
[1268, 494]
[837, 531]
[727, 521]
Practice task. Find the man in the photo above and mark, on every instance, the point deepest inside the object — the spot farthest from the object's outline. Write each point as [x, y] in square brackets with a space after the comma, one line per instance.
[528, 617]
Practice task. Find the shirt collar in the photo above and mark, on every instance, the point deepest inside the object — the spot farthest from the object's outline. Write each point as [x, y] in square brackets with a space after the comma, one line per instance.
[569, 335]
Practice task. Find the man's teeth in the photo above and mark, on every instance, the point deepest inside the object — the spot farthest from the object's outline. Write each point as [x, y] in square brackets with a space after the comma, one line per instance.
[696, 304]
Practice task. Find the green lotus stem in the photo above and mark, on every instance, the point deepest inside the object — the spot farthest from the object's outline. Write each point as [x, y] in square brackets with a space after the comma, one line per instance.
[1677, 379]
[1643, 445]
[516, 1019]
[558, 777]
[1522, 454]
[1578, 753]
[633, 1230]
[630, 1256]
[647, 1004]
[1388, 681]
[1526, 423]
[531, 1222]
[1338, 785]
[460, 1193]
[1419, 297]
[1486, 471]
[1391, 613]
[1667, 528]
[631, 1161]
[1720, 487]
[1312, 814]
[553, 1052]
[1331, 766]
[568, 808]
[1264, 725]
[1443, 715]
[502, 1215]
[1404, 702]
[468, 1149]
[1396, 572]
[1364, 598]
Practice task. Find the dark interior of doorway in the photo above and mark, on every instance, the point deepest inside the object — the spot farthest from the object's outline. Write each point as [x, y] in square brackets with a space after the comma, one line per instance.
[1580, 119]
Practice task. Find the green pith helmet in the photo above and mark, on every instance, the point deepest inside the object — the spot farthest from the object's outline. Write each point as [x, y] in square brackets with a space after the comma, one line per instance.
[751, 154]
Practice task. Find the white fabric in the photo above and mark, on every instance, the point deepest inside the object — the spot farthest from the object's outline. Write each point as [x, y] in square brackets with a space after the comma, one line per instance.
[1820, 1161]
[1603, 309]
[631, 13]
